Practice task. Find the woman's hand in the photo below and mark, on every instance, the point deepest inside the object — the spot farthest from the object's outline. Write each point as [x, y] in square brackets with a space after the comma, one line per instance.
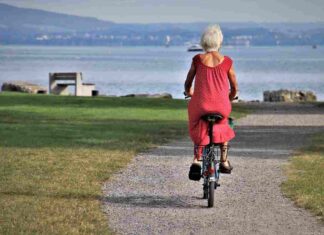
[189, 93]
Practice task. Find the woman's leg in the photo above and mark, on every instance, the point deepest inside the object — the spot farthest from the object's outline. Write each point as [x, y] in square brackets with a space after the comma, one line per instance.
[224, 152]
[198, 151]
[195, 168]
[226, 167]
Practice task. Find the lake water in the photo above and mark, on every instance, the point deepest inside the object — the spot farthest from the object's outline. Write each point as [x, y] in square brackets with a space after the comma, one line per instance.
[125, 70]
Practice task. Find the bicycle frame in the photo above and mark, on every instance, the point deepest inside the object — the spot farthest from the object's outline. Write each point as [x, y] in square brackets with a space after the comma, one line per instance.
[210, 167]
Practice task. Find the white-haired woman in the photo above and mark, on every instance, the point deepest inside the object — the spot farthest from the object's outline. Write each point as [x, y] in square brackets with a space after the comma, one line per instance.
[214, 89]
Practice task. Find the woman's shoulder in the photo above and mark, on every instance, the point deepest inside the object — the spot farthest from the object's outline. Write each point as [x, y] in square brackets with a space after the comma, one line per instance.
[227, 62]
[228, 58]
[196, 58]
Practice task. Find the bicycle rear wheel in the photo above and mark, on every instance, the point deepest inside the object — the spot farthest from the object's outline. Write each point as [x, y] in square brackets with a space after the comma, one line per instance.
[205, 195]
[211, 194]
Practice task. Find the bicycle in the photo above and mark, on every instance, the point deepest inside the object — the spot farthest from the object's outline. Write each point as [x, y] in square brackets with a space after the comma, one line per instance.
[210, 157]
[211, 160]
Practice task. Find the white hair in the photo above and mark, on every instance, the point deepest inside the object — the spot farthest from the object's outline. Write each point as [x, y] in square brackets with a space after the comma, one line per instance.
[212, 38]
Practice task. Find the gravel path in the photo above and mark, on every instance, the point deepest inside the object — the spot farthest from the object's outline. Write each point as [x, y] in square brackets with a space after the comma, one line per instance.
[154, 196]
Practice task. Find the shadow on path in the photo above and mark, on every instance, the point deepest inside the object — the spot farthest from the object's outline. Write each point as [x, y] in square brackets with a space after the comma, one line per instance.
[150, 201]
[275, 142]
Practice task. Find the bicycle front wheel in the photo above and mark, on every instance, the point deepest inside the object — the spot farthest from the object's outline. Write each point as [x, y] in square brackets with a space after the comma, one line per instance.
[211, 194]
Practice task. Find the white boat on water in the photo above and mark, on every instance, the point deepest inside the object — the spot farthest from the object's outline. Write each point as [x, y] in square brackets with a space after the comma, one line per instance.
[167, 41]
[195, 47]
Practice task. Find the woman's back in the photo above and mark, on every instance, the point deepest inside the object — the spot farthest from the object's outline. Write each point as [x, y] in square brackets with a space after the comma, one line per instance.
[211, 59]
[211, 84]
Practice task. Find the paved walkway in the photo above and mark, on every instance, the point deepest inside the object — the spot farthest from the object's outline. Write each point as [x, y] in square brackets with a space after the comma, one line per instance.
[154, 196]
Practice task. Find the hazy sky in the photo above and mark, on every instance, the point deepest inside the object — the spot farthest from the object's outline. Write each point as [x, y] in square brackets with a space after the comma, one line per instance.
[147, 11]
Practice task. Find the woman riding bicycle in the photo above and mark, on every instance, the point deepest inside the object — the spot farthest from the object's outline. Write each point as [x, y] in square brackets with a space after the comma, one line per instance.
[214, 88]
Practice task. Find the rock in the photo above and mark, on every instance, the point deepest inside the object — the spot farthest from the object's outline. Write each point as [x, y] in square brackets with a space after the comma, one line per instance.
[21, 86]
[288, 96]
[162, 95]
[136, 95]
[310, 96]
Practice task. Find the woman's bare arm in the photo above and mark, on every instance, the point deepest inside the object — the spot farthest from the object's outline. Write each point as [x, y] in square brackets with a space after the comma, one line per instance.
[233, 83]
[190, 77]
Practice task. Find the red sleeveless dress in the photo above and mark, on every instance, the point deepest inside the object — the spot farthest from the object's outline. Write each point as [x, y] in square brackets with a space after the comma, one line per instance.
[211, 95]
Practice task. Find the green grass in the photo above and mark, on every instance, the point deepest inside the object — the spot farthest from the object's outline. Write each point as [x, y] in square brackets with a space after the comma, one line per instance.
[305, 172]
[56, 152]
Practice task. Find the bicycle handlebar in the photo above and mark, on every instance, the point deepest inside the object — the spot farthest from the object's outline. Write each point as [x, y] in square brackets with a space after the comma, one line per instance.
[187, 96]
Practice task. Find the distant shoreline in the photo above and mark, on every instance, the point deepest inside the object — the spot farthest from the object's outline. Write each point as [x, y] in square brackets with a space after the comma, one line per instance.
[155, 46]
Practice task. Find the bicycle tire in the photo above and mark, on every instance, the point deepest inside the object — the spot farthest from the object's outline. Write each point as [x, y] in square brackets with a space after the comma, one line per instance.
[211, 194]
[205, 189]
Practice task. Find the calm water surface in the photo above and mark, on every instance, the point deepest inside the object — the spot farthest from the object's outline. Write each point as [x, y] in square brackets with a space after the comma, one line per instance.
[124, 70]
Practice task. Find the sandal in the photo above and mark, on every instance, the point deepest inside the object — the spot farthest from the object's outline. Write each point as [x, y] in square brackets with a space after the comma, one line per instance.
[225, 169]
[195, 172]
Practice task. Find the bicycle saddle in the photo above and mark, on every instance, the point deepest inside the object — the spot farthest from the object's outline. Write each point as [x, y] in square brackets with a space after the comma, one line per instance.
[212, 117]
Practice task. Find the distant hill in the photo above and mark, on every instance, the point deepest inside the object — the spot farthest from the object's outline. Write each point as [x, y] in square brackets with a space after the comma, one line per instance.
[38, 27]
[44, 21]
